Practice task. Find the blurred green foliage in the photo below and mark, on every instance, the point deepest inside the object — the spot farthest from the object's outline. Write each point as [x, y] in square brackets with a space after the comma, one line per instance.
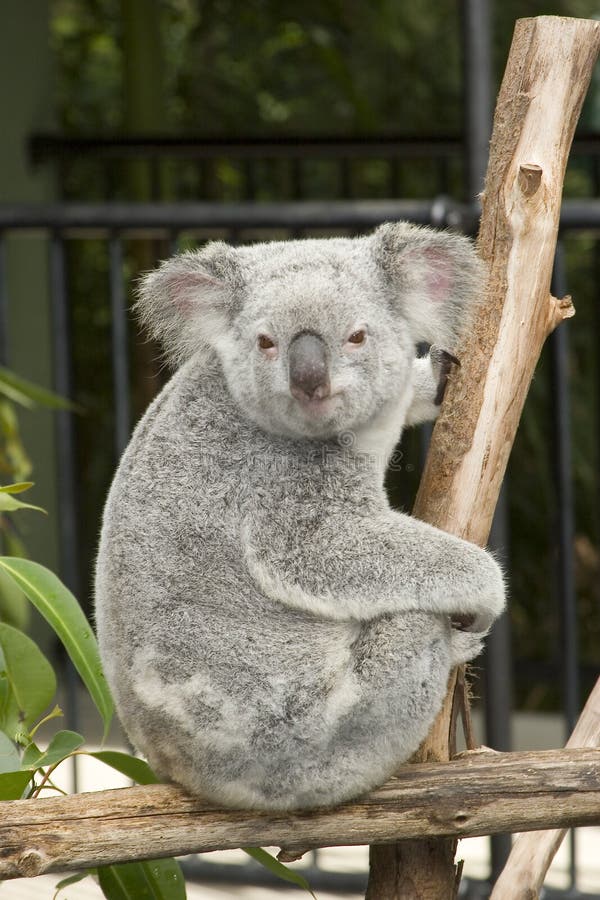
[265, 68]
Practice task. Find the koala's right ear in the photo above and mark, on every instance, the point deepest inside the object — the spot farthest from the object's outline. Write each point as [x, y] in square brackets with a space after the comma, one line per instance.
[435, 277]
[190, 300]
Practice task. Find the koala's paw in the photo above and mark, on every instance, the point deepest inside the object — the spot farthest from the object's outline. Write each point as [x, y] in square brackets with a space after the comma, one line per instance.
[441, 365]
[485, 591]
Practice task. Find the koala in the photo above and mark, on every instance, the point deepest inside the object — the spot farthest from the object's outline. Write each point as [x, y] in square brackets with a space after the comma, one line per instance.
[276, 636]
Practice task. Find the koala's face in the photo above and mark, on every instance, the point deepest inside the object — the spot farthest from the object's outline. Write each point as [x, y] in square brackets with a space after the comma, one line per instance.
[315, 337]
[315, 349]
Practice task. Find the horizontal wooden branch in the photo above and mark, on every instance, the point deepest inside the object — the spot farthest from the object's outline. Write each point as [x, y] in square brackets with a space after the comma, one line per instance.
[480, 793]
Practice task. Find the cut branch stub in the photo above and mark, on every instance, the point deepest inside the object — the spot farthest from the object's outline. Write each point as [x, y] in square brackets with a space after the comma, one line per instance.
[530, 178]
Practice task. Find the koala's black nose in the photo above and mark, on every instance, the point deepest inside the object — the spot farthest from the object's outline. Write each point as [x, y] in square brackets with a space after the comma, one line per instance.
[308, 367]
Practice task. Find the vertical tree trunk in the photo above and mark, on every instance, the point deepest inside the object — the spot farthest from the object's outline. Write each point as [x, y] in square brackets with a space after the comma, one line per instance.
[546, 79]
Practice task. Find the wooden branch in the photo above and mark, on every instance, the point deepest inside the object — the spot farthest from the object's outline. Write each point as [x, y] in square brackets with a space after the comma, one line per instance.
[546, 79]
[531, 855]
[480, 793]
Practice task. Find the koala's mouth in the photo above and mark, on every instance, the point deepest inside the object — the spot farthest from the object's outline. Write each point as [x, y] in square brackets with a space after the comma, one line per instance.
[316, 407]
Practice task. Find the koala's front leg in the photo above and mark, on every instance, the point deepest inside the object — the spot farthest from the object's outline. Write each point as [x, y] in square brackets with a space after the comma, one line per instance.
[430, 377]
[353, 564]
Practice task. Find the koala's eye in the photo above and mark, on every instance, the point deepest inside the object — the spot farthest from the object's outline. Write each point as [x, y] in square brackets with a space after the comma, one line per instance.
[267, 346]
[358, 337]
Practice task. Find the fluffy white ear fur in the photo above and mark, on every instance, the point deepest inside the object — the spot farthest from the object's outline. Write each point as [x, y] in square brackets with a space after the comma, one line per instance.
[435, 278]
[188, 302]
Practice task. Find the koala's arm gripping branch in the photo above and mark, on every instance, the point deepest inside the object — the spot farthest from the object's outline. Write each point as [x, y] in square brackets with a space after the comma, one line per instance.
[352, 566]
[546, 79]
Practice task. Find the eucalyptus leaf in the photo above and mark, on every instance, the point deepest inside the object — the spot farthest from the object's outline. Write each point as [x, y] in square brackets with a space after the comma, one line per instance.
[12, 784]
[9, 503]
[9, 424]
[31, 681]
[157, 879]
[277, 868]
[14, 457]
[136, 769]
[31, 754]
[61, 610]
[16, 488]
[62, 745]
[55, 713]
[14, 607]
[4, 687]
[13, 544]
[9, 755]
[72, 879]
[28, 394]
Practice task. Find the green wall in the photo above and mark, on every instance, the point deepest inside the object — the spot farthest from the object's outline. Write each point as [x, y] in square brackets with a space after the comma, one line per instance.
[26, 106]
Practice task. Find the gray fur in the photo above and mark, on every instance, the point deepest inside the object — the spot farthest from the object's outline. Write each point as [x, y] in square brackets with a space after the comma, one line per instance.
[275, 635]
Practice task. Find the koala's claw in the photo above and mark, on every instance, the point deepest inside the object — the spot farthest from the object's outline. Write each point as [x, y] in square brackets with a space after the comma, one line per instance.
[462, 623]
[441, 363]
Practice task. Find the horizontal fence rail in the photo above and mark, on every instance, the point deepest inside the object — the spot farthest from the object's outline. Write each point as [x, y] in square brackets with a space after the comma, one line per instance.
[169, 217]
[44, 148]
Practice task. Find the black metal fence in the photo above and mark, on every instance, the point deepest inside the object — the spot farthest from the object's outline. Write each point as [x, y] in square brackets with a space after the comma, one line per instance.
[116, 228]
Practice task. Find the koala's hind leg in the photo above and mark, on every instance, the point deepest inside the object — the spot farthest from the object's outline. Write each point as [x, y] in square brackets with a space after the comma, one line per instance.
[402, 664]
[374, 718]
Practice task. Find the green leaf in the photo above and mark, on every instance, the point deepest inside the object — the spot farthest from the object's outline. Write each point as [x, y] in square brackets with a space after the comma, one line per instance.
[30, 756]
[62, 745]
[30, 677]
[14, 608]
[28, 394]
[13, 455]
[8, 503]
[16, 488]
[134, 768]
[12, 784]
[62, 611]
[72, 879]
[55, 713]
[157, 879]
[9, 755]
[4, 687]
[13, 544]
[277, 868]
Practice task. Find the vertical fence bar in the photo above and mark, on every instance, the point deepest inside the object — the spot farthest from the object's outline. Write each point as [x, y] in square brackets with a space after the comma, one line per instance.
[394, 177]
[249, 170]
[297, 178]
[119, 344]
[565, 521]
[173, 242]
[565, 526]
[65, 446]
[345, 165]
[477, 75]
[498, 677]
[498, 659]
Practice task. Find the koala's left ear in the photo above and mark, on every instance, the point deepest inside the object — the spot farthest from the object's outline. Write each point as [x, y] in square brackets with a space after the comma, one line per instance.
[435, 279]
[190, 300]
